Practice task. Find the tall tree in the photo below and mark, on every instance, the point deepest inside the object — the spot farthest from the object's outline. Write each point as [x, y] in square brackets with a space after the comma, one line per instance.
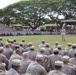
[33, 12]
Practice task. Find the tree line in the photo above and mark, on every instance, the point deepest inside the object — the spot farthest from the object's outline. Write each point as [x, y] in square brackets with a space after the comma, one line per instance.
[33, 12]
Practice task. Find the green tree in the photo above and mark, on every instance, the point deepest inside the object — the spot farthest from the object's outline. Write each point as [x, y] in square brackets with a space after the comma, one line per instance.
[33, 12]
[68, 9]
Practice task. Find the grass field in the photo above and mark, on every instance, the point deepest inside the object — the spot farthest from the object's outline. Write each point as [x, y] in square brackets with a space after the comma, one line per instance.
[36, 39]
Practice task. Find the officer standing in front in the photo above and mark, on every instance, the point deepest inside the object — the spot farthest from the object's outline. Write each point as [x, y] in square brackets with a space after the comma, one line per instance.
[63, 34]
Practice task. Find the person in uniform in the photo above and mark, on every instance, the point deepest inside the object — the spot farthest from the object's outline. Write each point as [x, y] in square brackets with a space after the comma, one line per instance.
[14, 70]
[67, 68]
[1, 43]
[2, 69]
[8, 50]
[58, 68]
[54, 57]
[16, 55]
[42, 44]
[73, 60]
[3, 58]
[48, 50]
[21, 45]
[2, 73]
[35, 68]
[28, 46]
[56, 45]
[14, 41]
[32, 53]
[24, 62]
[67, 48]
[72, 51]
[63, 34]
[23, 41]
[61, 52]
[45, 58]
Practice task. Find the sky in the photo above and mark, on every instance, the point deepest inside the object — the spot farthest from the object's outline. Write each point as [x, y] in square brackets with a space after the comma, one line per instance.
[4, 3]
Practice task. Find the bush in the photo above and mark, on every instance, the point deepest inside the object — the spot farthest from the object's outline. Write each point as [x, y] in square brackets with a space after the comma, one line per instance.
[42, 28]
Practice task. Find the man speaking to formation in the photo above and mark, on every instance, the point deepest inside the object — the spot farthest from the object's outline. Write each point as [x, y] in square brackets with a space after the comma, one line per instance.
[63, 34]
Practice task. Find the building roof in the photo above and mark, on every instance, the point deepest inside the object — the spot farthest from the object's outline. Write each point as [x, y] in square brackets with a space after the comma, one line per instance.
[50, 25]
[16, 25]
[69, 22]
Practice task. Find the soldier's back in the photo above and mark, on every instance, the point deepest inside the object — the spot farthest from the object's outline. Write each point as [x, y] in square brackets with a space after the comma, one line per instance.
[56, 72]
[36, 69]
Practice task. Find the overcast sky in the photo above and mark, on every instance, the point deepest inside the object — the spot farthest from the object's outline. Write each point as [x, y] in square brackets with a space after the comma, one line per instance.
[4, 3]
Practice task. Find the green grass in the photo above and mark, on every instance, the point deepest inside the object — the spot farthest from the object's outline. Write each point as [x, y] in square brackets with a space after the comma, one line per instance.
[36, 39]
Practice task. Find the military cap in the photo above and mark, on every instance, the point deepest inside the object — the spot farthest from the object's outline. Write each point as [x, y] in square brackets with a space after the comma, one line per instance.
[39, 57]
[23, 40]
[74, 45]
[57, 42]
[2, 73]
[30, 43]
[25, 53]
[55, 50]
[47, 44]
[58, 63]
[65, 58]
[59, 46]
[43, 41]
[16, 62]
[69, 44]
[32, 47]
[1, 48]
[0, 38]
[42, 49]
[2, 64]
